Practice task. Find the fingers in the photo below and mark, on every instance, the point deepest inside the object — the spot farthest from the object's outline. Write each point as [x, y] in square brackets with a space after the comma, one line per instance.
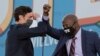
[46, 6]
[46, 9]
[35, 16]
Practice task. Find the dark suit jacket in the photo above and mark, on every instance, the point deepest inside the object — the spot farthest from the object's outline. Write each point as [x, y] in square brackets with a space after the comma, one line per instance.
[18, 41]
[90, 42]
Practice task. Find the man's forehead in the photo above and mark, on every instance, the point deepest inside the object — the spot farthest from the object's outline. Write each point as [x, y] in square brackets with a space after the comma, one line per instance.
[29, 14]
[71, 18]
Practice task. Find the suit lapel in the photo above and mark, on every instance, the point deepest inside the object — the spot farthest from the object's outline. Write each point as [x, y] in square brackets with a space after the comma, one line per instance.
[63, 41]
[60, 44]
[84, 42]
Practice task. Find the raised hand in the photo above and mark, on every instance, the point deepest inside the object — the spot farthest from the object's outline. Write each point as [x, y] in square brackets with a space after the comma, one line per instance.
[46, 9]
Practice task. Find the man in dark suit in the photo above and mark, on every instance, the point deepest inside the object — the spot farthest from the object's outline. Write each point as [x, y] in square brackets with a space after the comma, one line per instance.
[73, 40]
[18, 41]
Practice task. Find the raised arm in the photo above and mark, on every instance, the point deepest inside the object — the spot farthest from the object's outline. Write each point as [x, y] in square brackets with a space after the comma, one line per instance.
[32, 32]
[53, 32]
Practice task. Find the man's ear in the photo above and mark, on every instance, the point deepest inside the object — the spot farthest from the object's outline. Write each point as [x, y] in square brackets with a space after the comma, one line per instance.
[20, 17]
[76, 25]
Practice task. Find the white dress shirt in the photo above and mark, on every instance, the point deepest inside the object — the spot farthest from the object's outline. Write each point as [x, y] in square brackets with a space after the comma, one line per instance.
[39, 19]
[78, 44]
[35, 23]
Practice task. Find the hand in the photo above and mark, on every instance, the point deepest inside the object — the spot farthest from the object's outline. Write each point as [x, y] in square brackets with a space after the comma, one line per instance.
[46, 9]
[35, 16]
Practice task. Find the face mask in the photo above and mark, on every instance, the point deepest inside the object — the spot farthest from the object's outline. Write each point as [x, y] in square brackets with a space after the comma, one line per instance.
[69, 30]
[29, 22]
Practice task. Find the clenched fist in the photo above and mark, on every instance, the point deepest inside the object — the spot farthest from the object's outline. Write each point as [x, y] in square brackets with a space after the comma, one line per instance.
[46, 9]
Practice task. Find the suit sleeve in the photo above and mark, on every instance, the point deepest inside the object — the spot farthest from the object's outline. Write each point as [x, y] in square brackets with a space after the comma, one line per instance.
[97, 43]
[32, 32]
[53, 32]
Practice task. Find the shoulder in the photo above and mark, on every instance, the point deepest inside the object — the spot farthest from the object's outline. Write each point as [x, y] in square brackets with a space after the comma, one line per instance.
[41, 23]
[90, 34]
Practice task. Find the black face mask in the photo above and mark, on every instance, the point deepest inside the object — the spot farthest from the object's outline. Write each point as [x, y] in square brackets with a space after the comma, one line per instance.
[69, 31]
[29, 22]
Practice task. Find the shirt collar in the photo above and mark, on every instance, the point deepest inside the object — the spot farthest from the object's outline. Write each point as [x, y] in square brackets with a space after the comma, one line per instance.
[78, 34]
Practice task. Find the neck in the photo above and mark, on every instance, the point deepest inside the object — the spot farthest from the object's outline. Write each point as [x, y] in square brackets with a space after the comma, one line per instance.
[17, 23]
[20, 22]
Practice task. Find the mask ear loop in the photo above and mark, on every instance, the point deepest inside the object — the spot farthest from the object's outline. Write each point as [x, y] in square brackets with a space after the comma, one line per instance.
[73, 24]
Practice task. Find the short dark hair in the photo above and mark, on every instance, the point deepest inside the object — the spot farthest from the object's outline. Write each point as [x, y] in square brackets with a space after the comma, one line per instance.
[71, 16]
[21, 10]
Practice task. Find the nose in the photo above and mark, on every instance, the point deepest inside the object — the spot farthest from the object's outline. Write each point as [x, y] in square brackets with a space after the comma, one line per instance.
[64, 26]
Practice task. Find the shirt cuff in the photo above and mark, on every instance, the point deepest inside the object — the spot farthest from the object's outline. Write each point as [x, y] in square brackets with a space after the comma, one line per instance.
[46, 18]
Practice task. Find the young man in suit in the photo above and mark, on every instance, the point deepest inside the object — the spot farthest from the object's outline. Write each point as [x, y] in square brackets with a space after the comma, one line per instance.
[73, 40]
[18, 41]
